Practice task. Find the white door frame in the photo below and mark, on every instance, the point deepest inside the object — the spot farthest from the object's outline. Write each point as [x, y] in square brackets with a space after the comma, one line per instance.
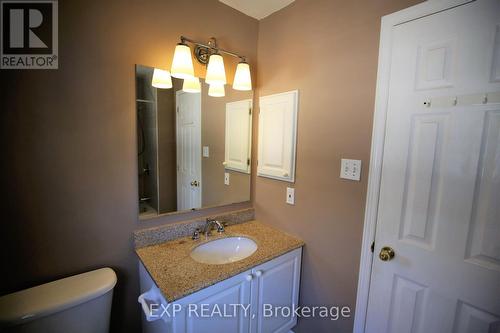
[377, 149]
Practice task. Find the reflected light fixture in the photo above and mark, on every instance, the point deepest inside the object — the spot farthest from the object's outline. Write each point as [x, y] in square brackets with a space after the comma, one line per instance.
[216, 90]
[216, 74]
[161, 79]
[182, 64]
[242, 78]
[191, 85]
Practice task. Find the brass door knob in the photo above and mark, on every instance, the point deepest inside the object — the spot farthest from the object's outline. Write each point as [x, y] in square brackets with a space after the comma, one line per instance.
[386, 253]
[195, 183]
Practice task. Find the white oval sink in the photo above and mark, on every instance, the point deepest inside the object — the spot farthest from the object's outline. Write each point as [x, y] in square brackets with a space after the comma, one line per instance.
[224, 250]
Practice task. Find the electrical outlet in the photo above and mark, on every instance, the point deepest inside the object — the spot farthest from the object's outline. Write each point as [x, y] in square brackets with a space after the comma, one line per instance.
[206, 151]
[350, 169]
[290, 195]
[226, 178]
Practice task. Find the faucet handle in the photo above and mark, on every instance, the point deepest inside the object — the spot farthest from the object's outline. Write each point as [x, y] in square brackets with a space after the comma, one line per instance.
[196, 234]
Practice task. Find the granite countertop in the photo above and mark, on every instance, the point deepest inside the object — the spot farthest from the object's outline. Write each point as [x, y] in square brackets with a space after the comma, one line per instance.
[178, 275]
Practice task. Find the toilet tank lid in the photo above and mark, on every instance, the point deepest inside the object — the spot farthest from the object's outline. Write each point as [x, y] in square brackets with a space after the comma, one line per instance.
[55, 296]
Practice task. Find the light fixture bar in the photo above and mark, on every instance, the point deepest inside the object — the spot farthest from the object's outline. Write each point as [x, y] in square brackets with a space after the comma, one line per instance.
[212, 47]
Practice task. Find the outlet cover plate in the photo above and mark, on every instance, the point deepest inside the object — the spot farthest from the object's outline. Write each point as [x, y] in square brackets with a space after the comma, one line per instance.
[290, 195]
[350, 169]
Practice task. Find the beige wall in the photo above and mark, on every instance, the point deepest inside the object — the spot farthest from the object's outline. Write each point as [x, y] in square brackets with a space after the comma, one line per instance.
[68, 170]
[328, 50]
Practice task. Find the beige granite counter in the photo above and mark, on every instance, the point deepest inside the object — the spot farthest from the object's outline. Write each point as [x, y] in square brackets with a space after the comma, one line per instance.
[178, 275]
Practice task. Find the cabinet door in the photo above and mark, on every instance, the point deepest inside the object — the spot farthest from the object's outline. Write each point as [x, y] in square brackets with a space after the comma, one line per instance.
[276, 284]
[238, 136]
[277, 136]
[222, 296]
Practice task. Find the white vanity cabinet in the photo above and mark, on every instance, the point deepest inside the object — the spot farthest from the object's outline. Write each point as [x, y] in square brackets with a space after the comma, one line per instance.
[274, 283]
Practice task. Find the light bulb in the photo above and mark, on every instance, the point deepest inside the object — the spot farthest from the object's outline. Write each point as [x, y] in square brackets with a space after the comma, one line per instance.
[182, 65]
[242, 78]
[216, 90]
[191, 85]
[161, 79]
[215, 70]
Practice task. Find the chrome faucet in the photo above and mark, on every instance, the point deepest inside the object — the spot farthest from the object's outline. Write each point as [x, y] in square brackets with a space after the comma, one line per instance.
[207, 230]
[209, 225]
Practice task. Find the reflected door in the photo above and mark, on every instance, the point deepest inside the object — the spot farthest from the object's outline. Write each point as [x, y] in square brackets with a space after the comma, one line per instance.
[188, 126]
[439, 207]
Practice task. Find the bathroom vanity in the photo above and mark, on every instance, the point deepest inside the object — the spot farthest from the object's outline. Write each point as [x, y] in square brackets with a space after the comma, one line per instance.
[241, 295]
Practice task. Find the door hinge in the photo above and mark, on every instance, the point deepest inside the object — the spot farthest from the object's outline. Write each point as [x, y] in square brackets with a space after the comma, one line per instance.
[177, 109]
[250, 111]
[248, 161]
[372, 248]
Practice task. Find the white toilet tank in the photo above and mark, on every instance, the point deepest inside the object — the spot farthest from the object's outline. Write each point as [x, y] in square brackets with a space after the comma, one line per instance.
[76, 304]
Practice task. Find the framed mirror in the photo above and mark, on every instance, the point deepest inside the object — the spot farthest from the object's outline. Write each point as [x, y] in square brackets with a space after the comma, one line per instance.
[193, 150]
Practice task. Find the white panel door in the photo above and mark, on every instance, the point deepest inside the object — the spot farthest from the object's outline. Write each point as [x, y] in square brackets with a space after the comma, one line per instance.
[439, 207]
[277, 136]
[276, 283]
[238, 136]
[188, 126]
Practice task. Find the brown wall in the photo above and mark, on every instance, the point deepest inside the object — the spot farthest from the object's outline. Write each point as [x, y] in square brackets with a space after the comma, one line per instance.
[68, 136]
[328, 50]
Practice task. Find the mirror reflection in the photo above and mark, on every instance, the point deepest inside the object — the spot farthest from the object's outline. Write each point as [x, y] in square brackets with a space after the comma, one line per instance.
[193, 149]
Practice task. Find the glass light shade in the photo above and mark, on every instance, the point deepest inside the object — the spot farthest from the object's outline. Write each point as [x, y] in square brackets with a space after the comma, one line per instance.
[216, 90]
[161, 79]
[242, 78]
[182, 65]
[191, 85]
[216, 73]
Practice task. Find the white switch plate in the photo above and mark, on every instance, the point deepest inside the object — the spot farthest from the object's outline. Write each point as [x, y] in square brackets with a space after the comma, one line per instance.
[226, 178]
[290, 195]
[350, 169]
[206, 151]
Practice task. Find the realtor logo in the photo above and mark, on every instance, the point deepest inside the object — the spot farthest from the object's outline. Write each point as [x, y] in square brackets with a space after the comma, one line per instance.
[29, 35]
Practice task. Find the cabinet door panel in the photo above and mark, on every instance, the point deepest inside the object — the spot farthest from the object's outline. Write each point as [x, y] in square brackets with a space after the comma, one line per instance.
[277, 286]
[235, 290]
[277, 136]
[238, 136]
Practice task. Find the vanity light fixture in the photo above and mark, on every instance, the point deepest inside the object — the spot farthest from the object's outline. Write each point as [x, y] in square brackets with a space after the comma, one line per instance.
[182, 64]
[191, 85]
[216, 73]
[211, 55]
[161, 79]
[216, 90]
[242, 78]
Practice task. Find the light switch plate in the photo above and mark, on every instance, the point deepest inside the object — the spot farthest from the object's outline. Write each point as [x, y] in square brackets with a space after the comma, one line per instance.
[350, 169]
[226, 178]
[206, 151]
[290, 195]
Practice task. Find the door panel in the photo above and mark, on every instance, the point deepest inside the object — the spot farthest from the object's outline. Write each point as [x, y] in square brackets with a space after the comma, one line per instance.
[440, 187]
[483, 247]
[188, 126]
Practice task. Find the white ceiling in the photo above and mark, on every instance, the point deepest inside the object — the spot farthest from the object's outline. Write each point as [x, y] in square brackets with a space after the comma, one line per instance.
[257, 8]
